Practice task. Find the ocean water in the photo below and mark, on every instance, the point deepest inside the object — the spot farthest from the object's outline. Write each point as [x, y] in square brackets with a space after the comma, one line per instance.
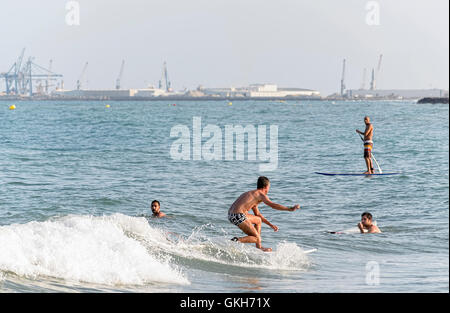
[77, 179]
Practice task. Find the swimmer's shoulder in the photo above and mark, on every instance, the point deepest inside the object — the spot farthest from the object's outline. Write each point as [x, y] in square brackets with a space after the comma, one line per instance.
[374, 229]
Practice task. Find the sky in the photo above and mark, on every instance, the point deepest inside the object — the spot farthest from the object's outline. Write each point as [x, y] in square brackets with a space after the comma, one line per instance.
[233, 43]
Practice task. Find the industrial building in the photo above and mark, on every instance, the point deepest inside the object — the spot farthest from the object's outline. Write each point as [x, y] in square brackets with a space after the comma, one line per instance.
[149, 92]
[111, 94]
[253, 91]
[225, 92]
[260, 91]
[272, 91]
[94, 94]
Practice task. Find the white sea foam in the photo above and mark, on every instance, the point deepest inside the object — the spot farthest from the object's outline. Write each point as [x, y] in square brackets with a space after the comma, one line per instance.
[288, 255]
[123, 250]
[202, 246]
[110, 250]
[355, 230]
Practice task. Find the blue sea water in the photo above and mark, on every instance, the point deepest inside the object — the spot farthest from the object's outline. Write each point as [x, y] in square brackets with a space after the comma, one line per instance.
[77, 179]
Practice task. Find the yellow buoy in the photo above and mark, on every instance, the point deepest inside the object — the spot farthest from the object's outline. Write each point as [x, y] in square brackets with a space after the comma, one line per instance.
[230, 103]
[12, 107]
[108, 106]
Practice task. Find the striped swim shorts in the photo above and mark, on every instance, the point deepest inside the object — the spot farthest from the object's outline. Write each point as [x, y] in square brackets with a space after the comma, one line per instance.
[368, 146]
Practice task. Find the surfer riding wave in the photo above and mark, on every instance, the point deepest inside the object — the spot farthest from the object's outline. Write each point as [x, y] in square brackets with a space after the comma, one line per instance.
[251, 224]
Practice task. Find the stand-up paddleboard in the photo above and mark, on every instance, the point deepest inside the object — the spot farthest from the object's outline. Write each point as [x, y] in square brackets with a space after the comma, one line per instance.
[380, 172]
[357, 174]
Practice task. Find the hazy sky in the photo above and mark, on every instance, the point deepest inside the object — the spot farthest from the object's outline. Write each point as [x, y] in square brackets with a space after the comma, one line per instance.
[223, 43]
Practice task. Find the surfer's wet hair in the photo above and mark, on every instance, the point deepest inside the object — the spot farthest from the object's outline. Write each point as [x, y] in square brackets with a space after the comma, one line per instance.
[263, 182]
[367, 214]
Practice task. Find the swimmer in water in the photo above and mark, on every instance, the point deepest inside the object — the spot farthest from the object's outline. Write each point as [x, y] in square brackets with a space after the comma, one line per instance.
[156, 209]
[251, 224]
[367, 224]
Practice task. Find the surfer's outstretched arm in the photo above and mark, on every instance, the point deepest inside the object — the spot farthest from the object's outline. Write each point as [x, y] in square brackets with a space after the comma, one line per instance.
[277, 206]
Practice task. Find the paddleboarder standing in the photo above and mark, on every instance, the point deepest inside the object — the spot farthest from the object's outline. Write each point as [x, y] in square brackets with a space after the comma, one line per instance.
[368, 144]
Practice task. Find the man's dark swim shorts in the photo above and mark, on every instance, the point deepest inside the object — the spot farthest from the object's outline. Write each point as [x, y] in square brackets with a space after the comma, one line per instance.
[236, 218]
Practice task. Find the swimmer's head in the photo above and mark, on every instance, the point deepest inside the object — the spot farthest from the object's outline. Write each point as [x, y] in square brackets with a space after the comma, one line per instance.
[366, 219]
[155, 206]
[263, 183]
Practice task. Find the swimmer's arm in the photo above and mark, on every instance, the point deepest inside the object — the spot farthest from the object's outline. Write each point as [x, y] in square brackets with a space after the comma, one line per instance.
[277, 206]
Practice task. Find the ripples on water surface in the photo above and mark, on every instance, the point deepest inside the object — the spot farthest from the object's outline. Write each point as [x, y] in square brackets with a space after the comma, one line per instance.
[77, 179]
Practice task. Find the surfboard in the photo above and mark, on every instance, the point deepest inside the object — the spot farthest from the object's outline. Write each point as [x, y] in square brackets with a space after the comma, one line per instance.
[356, 174]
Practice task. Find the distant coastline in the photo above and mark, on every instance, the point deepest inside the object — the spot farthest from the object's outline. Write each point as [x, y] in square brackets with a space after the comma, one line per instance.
[214, 98]
[166, 98]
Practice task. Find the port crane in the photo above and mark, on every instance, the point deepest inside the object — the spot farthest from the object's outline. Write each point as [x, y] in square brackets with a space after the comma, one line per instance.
[379, 67]
[120, 75]
[12, 76]
[47, 85]
[45, 89]
[343, 79]
[21, 77]
[373, 83]
[80, 79]
[165, 77]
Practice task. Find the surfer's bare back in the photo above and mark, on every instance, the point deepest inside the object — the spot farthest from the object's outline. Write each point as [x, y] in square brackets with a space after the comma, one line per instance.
[251, 224]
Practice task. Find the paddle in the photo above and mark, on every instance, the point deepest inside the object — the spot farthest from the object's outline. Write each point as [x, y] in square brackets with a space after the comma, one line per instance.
[379, 168]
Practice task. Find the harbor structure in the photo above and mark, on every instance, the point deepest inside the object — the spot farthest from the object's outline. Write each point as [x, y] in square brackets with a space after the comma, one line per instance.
[260, 91]
[254, 91]
[398, 94]
[26, 78]
[91, 94]
[273, 91]
[118, 80]
[343, 79]
[376, 75]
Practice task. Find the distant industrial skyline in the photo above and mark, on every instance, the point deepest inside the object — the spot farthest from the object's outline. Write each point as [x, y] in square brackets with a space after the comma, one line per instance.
[234, 43]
